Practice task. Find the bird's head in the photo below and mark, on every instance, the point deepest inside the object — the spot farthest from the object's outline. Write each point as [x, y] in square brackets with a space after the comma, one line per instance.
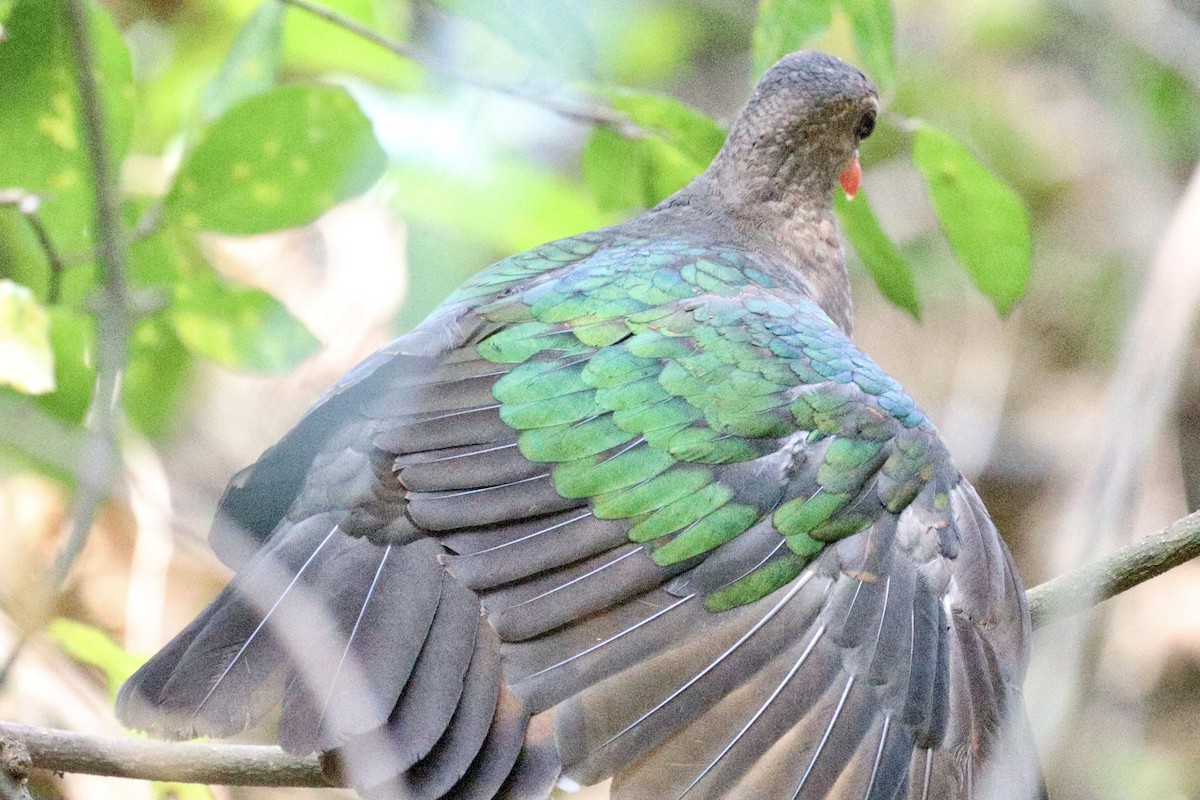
[798, 135]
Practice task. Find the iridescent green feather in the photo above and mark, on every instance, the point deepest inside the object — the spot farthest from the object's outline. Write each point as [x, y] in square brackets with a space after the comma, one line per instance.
[644, 368]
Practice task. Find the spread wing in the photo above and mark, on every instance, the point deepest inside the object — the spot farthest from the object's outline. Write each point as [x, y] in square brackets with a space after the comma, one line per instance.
[626, 510]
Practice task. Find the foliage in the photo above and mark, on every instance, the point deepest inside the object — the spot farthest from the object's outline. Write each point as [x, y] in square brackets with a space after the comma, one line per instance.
[258, 116]
[258, 155]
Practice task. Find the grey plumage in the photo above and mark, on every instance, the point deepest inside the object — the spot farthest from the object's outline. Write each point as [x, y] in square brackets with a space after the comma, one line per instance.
[628, 505]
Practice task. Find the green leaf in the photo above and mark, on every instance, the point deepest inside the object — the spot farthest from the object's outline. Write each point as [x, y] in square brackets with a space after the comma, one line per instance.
[41, 132]
[985, 221]
[513, 204]
[873, 23]
[251, 65]
[159, 366]
[72, 335]
[879, 255]
[277, 160]
[92, 646]
[238, 327]
[26, 358]
[678, 143]
[785, 26]
[183, 791]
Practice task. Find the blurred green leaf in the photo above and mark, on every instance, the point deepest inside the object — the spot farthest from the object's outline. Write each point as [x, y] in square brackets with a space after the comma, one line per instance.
[26, 358]
[71, 335]
[238, 327]
[159, 366]
[182, 791]
[89, 645]
[509, 205]
[41, 133]
[314, 46]
[985, 221]
[277, 160]
[33, 439]
[678, 144]
[892, 274]
[622, 174]
[252, 64]
[873, 23]
[785, 26]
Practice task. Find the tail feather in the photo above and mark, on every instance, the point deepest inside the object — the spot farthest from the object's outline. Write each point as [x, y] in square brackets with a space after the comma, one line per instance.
[434, 775]
[353, 669]
[231, 671]
[496, 759]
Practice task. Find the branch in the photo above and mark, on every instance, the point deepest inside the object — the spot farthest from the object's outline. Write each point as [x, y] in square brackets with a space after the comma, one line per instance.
[587, 114]
[256, 765]
[98, 462]
[180, 762]
[1133, 564]
[28, 206]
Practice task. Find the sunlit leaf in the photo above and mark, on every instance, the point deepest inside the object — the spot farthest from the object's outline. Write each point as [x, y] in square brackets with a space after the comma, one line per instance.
[785, 26]
[315, 46]
[872, 22]
[620, 172]
[277, 160]
[694, 134]
[892, 274]
[238, 327]
[26, 358]
[89, 645]
[985, 221]
[676, 144]
[252, 64]
[42, 145]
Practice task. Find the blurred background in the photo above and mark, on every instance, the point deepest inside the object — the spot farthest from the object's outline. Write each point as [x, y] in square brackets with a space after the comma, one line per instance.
[1078, 416]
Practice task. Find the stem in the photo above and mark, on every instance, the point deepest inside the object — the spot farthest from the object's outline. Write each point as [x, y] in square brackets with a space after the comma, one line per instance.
[97, 465]
[28, 205]
[588, 114]
[250, 765]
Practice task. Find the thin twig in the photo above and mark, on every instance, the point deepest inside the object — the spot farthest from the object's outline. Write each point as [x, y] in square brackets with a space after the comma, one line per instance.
[589, 114]
[256, 765]
[149, 222]
[28, 205]
[186, 762]
[99, 459]
[1133, 564]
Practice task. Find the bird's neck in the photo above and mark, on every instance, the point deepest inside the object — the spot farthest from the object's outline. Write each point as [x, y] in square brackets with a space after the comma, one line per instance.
[792, 223]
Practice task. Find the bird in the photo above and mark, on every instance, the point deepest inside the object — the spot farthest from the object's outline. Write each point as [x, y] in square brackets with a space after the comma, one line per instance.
[632, 505]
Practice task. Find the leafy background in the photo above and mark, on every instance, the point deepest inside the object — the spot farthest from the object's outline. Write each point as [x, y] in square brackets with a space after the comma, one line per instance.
[296, 196]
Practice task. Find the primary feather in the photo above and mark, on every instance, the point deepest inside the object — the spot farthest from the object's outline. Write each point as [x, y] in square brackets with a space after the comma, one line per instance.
[628, 504]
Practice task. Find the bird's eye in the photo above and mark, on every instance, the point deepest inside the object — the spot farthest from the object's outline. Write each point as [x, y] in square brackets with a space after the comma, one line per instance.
[865, 125]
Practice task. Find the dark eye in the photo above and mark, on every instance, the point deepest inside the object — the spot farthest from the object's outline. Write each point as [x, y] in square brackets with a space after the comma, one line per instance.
[865, 125]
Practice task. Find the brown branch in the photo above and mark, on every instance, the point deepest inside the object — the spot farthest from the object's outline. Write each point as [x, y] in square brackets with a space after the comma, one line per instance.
[113, 319]
[28, 205]
[256, 765]
[588, 114]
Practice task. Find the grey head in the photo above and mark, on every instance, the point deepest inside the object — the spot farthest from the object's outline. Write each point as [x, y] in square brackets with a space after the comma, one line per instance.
[777, 172]
[797, 133]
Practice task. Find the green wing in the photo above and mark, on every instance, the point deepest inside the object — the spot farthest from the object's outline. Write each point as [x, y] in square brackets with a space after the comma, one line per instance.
[646, 387]
[717, 551]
